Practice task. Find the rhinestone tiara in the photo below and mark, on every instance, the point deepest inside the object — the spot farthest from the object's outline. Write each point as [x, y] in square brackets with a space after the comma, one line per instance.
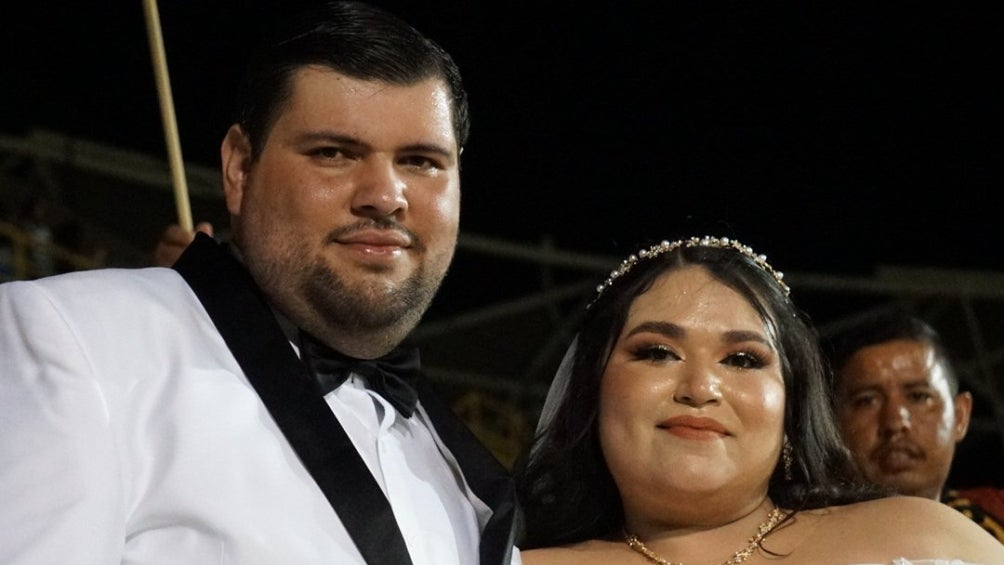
[706, 241]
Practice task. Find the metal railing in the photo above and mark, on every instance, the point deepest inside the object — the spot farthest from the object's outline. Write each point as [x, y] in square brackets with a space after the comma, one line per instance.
[25, 250]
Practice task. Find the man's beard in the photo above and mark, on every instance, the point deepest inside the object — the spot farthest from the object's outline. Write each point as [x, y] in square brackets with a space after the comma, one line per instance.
[366, 309]
[313, 296]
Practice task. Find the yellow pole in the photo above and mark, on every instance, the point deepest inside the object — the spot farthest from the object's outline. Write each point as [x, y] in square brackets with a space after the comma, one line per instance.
[167, 114]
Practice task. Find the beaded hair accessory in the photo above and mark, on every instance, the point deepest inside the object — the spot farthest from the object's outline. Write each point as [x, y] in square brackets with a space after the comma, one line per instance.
[706, 241]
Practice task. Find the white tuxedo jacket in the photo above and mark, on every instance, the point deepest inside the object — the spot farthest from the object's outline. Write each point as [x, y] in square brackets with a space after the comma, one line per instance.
[129, 433]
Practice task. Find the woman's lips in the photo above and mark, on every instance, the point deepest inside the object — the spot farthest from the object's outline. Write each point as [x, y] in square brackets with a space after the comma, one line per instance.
[694, 427]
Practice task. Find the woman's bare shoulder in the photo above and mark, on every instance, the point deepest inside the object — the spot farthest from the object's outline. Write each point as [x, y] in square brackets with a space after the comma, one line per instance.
[912, 511]
[882, 530]
[914, 526]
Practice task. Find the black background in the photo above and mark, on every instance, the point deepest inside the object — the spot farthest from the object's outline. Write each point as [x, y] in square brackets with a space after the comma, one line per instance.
[834, 136]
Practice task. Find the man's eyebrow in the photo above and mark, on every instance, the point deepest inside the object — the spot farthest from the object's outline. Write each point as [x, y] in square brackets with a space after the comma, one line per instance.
[856, 388]
[330, 137]
[919, 383]
[428, 148]
[342, 139]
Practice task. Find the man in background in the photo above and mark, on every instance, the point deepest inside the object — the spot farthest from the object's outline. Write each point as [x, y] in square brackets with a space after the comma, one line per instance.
[902, 414]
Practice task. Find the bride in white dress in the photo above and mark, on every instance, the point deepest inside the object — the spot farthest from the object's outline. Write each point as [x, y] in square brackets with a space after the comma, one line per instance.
[690, 423]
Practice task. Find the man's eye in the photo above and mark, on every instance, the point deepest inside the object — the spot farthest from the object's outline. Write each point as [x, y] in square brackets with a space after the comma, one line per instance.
[329, 153]
[420, 162]
[863, 400]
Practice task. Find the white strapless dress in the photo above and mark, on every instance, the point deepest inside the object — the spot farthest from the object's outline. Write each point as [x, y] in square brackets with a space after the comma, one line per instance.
[904, 561]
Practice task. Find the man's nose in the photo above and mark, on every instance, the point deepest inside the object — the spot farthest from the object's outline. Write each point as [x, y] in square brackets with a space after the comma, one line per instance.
[380, 190]
[895, 417]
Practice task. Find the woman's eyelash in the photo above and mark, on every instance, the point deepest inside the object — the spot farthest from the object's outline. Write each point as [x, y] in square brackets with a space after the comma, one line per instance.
[653, 352]
[746, 360]
[743, 359]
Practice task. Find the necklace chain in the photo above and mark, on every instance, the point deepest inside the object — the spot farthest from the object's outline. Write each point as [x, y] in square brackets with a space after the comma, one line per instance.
[738, 557]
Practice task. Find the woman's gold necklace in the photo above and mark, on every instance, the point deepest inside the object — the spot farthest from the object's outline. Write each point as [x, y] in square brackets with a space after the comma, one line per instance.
[738, 557]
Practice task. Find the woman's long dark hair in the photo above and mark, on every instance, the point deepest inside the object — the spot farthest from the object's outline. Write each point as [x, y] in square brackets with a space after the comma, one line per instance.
[566, 491]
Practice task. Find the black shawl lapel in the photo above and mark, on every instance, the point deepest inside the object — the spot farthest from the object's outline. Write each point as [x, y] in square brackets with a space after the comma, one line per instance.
[255, 338]
[486, 476]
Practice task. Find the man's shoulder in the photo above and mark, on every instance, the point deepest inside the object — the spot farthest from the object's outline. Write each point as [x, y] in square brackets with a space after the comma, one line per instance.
[983, 505]
[95, 288]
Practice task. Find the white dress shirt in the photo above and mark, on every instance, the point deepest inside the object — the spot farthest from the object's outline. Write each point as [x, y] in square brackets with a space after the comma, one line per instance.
[431, 501]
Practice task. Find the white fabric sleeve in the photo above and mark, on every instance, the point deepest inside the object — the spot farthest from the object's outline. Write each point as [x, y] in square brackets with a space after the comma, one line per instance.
[60, 486]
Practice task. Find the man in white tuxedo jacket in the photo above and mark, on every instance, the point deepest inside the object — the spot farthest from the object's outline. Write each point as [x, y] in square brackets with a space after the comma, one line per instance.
[255, 403]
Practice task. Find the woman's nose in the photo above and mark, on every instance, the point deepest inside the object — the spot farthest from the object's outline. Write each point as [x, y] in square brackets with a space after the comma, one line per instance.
[698, 386]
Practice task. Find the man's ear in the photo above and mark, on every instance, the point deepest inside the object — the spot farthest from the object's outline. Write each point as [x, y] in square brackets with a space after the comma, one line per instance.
[235, 153]
[963, 411]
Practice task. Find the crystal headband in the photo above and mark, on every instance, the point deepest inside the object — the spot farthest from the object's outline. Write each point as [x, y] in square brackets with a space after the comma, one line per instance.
[706, 241]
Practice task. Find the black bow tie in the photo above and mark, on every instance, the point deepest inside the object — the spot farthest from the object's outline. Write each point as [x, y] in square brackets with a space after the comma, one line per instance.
[390, 376]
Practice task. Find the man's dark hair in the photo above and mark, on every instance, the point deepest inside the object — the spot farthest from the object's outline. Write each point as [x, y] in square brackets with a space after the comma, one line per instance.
[881, 327]
[352, 38]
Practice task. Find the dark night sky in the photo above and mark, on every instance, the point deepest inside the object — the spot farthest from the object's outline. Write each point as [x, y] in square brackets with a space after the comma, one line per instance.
[834, 136]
